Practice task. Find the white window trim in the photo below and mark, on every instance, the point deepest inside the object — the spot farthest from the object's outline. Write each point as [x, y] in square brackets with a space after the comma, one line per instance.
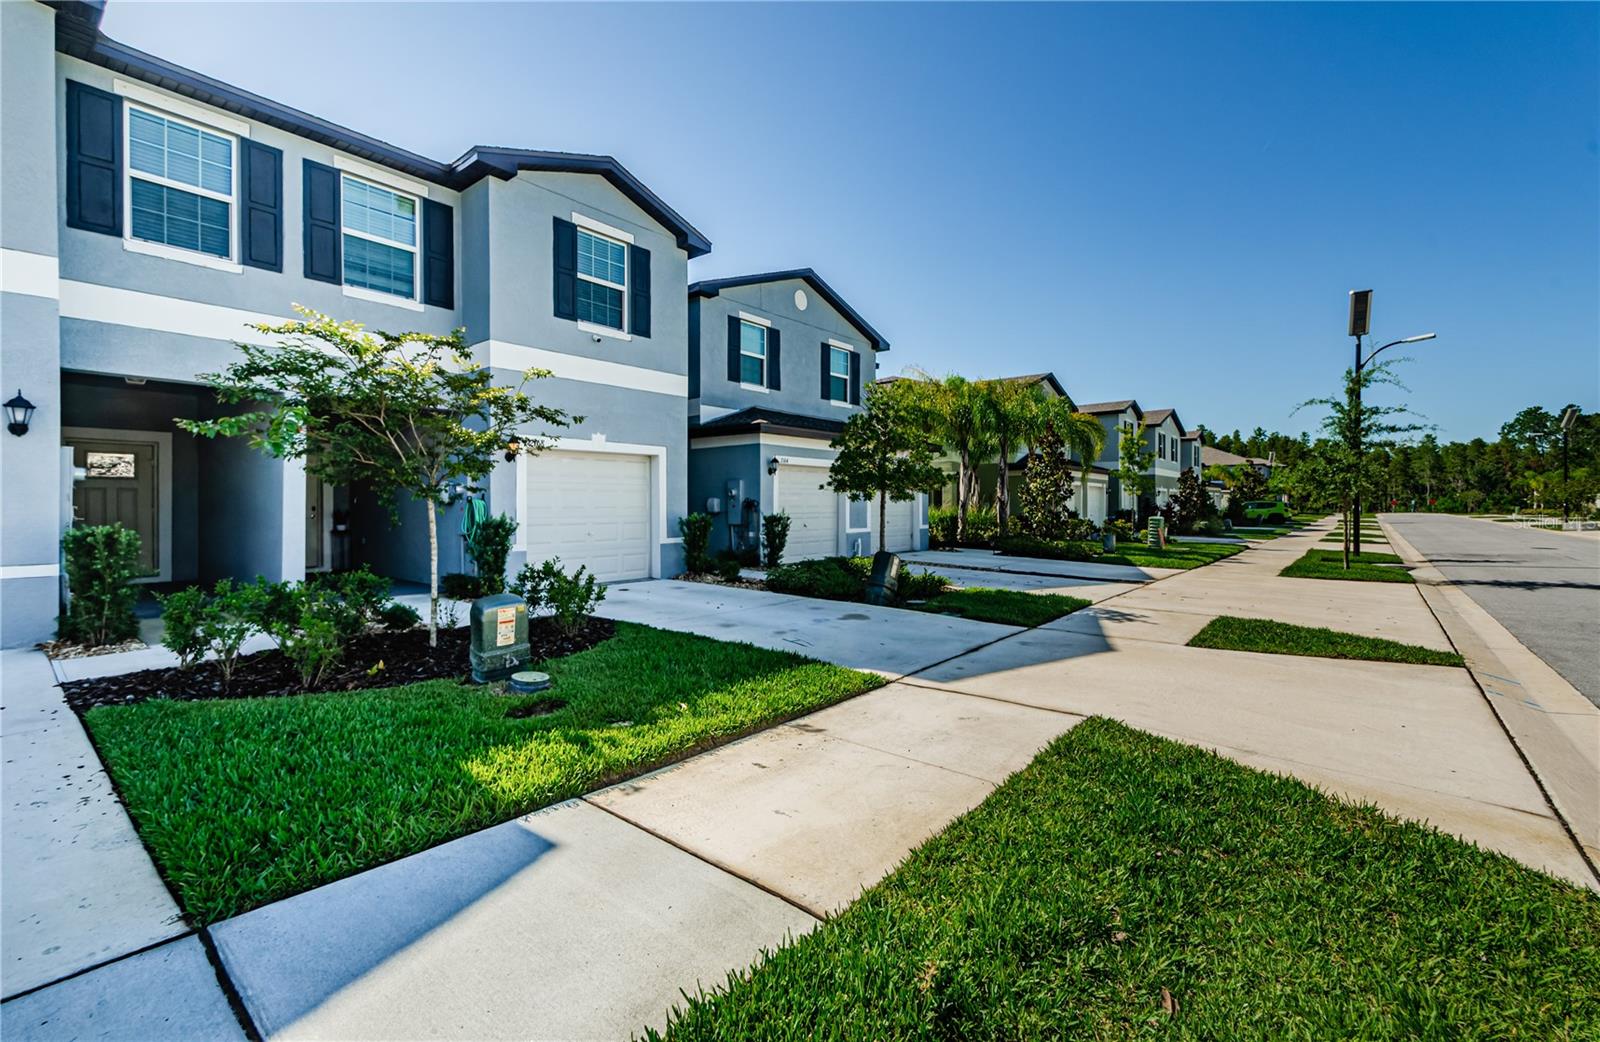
[868, 526]
[745, 316]
[185, 110]
[382, 178]
[616, 237]
[589, 224]
[230, 263]
[763, 356]
[599, 330]
[362, 292]
[834, 345]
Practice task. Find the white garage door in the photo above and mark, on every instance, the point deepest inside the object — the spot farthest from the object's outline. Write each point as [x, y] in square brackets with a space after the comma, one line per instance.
[589, 508]
[902, 526]
[813, 513]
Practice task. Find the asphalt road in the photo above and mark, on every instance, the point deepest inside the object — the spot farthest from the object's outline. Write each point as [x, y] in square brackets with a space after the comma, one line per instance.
[1542, 586]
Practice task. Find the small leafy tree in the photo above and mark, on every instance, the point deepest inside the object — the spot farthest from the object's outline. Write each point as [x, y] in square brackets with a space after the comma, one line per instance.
[407, 413]
[1190, 504]
[1046, 497]
[884, 451]
[1134, 460]
[775, 533]
[489, 545]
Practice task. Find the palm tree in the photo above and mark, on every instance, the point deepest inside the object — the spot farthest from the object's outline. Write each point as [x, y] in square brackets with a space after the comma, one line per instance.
[954, 408]
[1010, 409]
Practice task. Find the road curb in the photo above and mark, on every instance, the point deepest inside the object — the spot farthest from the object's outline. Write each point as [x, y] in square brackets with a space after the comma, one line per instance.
[1554, 729]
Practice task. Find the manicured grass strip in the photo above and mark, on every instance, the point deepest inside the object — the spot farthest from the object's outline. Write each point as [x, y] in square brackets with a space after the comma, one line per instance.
[1125, 886]
[243, 802]
[1230, 633]
[1364, 567]
[1173, 555]
[1008, 607]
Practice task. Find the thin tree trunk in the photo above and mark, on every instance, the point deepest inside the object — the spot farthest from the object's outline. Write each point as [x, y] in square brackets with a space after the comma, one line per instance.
[433, 574]
[1346, 535]
[1002, 493]
[962, 477]
[883, 520]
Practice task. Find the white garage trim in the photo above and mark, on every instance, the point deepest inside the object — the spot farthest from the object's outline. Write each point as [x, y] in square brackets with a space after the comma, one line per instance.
[599, 445]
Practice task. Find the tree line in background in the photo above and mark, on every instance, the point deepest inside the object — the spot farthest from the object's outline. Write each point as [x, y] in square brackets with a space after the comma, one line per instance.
[1410, 468]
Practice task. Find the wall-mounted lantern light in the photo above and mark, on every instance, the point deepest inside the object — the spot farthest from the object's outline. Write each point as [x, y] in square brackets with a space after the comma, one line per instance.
[772, 466]
[513, 447]
[19, 413]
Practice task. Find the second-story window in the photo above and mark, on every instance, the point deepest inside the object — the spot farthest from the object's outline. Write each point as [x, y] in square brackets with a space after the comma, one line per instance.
[838, 374]
[602, 279]
[380, 238]
[180, 184]
[752, 354]
[1161, 446]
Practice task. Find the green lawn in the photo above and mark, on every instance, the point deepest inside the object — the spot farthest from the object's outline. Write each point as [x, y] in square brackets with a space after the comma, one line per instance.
[1009, 607]
[1124, 886]
[1364, 567]
[245, 801]
[1173, 555]
[1230, 633]
[1251, 532]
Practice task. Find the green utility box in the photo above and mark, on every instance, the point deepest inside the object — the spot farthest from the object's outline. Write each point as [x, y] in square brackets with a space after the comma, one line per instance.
[1155, 533]
[498, 641]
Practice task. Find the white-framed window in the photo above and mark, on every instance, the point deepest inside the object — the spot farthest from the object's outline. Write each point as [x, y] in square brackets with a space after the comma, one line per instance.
[380, 237]
[752, 354]
[1161, 446]
[181, 184]
[602, 279]
[856, 517]
[838, 374]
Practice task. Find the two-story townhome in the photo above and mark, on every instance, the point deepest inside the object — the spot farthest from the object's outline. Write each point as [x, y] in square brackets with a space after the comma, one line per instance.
[1189, 453]
[153, 214]
[1116, 418]
[776, 365]
[1163, 436]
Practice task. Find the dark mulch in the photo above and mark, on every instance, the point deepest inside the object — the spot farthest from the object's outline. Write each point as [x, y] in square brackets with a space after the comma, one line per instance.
[405, 658]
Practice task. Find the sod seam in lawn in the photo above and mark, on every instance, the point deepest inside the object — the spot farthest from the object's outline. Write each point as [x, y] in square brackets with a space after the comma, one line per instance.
[1364, 567]
[1125, 886]
[247, 801]
[1007, 607]
[1231, 633]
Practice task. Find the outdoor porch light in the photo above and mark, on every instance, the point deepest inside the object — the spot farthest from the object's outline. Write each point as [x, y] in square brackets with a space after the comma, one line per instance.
[19, 413]
[513, 447]
[772, 466]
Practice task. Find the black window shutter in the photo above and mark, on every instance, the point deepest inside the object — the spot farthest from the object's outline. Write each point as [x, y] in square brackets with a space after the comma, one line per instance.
[638, 291]
[438, 254]
[565, 265]
[774, 359]
[855, 378]
[827, 369]
[321, 223]
[260, 205]
[94, 159]
[733, 348]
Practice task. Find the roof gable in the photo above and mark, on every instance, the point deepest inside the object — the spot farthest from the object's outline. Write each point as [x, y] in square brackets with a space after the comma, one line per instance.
[712, 287]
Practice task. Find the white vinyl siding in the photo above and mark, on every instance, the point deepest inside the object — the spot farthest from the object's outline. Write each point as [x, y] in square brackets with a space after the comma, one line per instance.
[380, 238]
[180, 184]
[590, 509]
[602, 279]
[752, 354]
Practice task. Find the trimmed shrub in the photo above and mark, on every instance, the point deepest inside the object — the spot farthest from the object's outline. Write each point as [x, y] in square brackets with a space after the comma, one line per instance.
[570, 598]
[831, 578]
[696, 532]
[1050, 549]
[489, 544]
[458, 586]
[397, 616]
[183, 620]
[941, 527]
[726, 567]
[920, 586]
[101, 561]
[775, 536]
[230, 619]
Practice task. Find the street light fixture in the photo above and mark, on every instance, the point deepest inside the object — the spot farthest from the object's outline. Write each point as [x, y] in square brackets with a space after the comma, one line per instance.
[1361, 325]
[1569, 416]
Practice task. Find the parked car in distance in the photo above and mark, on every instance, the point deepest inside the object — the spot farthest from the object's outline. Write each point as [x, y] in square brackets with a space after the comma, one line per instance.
[1266, 510]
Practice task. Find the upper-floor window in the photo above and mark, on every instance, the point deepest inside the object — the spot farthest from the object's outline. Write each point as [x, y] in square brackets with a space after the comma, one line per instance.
[602, 279]
[180, 184]
[1161, 446]
[752, 354]
[380, 238]
[838, 374]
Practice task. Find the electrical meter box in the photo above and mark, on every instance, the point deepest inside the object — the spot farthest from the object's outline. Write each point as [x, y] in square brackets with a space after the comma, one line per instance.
[498, 638]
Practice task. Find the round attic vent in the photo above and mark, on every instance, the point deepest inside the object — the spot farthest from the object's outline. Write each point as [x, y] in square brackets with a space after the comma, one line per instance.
[800, 300]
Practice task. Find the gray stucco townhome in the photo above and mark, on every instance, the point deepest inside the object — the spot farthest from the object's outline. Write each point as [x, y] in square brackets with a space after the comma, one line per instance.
[1172, 446]
[776, 365]
[151, 213]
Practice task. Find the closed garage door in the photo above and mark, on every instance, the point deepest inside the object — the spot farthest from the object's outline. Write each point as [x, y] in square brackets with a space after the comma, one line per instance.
[902, 526]
[813, 513]
[591, 509]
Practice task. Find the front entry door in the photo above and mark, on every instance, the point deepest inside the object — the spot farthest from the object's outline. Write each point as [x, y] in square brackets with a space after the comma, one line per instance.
[315, 516]
[122, 486]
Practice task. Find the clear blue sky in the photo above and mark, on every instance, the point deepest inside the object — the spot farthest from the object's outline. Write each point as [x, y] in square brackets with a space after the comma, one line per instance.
[1158, 202]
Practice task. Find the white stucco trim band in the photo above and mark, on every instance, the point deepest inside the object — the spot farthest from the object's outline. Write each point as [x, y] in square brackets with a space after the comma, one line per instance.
[91, 302]
[504, 355]
[29, 274]
[29, 571]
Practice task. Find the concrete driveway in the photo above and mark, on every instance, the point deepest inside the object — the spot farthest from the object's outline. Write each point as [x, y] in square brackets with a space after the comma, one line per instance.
[889, 641]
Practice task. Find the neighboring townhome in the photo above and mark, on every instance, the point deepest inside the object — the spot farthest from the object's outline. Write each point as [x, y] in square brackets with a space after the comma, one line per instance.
[153, 213]
[776, 365]
[1163, 435]
[1115, 417]
[1189, 454]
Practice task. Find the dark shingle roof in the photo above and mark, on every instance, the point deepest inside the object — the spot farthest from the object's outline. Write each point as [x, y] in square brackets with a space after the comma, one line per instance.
[1096, 408]
[771, 421]
[1155, 416]
[711, 287]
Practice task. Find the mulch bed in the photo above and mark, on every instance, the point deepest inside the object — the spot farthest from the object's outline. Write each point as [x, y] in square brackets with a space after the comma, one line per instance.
[405, 656]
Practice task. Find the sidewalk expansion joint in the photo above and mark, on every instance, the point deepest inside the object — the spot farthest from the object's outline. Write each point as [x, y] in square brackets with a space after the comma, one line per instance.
[152, 946]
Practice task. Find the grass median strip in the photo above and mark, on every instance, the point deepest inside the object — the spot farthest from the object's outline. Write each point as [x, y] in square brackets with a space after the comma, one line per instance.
[1126, 886]
[1230, 633]
[1173, 555]
[1364, 567]
[246, 801]
[1008, 607]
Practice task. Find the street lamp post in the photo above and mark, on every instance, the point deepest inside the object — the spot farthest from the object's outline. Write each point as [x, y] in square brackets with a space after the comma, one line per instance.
[1360, 326]
[1568, 418]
